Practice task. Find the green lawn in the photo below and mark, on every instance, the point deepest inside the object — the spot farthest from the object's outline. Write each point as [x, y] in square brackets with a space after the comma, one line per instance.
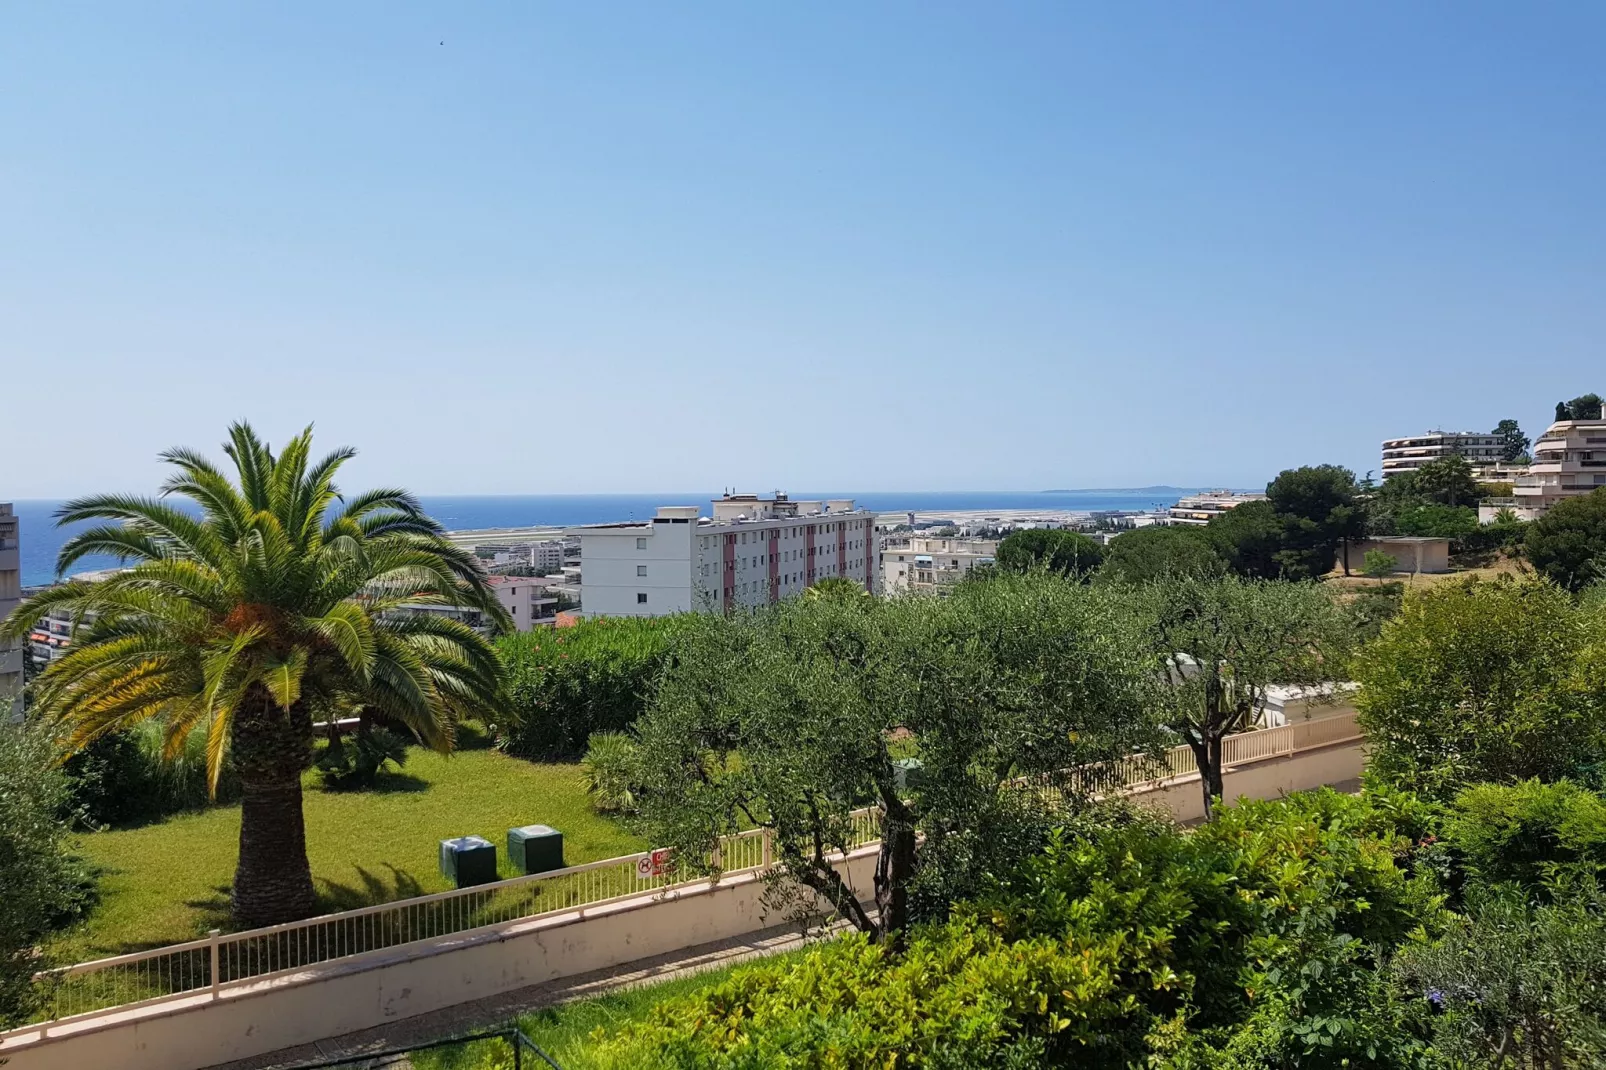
[169, 881]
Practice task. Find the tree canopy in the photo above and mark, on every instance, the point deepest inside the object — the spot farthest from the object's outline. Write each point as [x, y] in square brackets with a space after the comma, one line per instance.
[793, 717]
[1446, 480]
[1064, 552]
[1568, 544]
[1582, 407]
[1514, 443]
[1248, 538]
[1219, 642]
[1156, 553]
[1318, 509]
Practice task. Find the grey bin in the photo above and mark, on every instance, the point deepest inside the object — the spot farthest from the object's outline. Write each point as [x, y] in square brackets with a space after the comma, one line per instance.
[535, 848]
[468, 860]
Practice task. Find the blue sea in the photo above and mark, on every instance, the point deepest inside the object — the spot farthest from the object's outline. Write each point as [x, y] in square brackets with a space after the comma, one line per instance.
[42, 539]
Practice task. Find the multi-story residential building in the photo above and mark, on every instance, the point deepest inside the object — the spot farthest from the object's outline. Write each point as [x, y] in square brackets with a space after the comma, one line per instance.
[750, 551]
[1202, 508]
[1569, 459]
[543, 556]
[52, 633]
[11, 654]
[527, 601]
[1408, 454]
[931, 565]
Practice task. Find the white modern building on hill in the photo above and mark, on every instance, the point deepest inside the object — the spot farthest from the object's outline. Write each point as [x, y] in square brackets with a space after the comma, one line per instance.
[1569, 459]
[918, 563]
[1482, 451]
[750, 551]
[11, 654]
[1198, 509]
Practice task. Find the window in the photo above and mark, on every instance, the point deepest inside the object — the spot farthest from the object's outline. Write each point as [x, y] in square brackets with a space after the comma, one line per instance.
[641, 570]
[641, 544]
[641, 598]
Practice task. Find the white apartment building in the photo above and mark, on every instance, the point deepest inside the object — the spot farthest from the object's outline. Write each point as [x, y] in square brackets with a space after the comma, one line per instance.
[1200, 509]
[749, 552]
[11, 654]
[544, 556]
[52, 633]
[527, 601]
[1408, 454]
[931, 565]
[1569, 459]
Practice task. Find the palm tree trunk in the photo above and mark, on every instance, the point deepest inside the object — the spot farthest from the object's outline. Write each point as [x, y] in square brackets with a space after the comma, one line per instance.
[271, 748]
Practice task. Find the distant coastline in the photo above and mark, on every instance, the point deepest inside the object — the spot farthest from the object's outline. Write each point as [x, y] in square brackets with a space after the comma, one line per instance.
[42, 540]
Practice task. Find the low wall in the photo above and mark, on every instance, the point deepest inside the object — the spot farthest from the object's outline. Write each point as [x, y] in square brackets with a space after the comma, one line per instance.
[1264, 779]
[347, 995]
[359, 993]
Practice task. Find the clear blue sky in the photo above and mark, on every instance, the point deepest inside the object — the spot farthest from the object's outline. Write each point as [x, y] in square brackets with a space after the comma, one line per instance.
[527, 247]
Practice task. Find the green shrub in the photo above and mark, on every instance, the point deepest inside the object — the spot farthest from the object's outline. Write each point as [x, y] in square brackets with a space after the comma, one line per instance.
[1530, 833]
[1254, 941]
[566, 683]
[1516, 983]
[1373, 606]
[1568, 544]
[125, 779]
[1476, 682]
[355, 763]
[608, 771]
[959, 996]
[42, 885]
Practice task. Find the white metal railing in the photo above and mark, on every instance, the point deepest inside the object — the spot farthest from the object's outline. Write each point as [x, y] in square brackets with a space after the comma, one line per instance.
[229, 959]
[204, 968]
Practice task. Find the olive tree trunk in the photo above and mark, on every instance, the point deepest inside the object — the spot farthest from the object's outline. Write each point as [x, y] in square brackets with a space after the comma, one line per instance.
[271, 749]
[895, 866]
[1206, 746]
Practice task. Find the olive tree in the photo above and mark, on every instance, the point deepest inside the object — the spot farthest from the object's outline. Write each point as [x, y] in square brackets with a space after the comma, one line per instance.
[1219, 642]
[924, 710]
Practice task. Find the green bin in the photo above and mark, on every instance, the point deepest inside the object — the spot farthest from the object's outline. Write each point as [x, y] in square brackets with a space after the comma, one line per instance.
[535, 848]
[468, 860]
[908, 774]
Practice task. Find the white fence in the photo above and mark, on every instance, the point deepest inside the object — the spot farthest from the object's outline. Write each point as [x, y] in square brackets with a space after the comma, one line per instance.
[221, 961]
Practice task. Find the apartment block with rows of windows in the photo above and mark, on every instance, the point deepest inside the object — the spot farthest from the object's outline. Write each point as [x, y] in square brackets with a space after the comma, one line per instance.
[1408, 454]
[1569, 459]
[748, 552]
[931, 565]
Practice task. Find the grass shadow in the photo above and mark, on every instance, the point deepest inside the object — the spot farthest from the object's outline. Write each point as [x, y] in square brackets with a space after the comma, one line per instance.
[370, 888]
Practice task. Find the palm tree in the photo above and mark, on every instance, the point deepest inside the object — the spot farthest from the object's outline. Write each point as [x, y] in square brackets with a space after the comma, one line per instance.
[272, 605]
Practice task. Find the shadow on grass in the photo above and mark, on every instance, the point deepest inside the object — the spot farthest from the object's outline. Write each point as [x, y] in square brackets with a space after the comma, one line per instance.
[369, 889]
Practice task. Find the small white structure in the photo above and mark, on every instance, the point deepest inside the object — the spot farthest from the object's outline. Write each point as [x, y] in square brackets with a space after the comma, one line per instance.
[1411, 553]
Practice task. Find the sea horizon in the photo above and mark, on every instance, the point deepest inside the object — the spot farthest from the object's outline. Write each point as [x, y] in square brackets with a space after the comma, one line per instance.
[42, 540]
